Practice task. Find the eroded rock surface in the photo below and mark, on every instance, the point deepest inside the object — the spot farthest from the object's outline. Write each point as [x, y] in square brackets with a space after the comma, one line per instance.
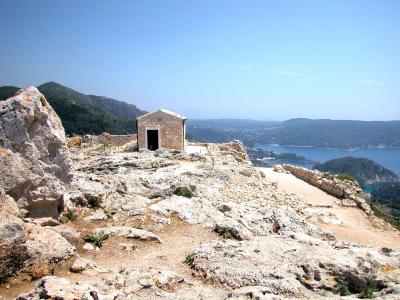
[258, 240]
[23, 243]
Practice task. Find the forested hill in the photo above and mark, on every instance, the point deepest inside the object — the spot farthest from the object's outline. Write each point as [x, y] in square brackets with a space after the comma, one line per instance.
[387, 195]
[118, 108]
[83, 114]
[7, 91]
[364, 170]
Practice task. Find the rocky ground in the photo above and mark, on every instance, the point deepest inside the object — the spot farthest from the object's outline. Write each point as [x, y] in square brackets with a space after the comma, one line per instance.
[167, 225]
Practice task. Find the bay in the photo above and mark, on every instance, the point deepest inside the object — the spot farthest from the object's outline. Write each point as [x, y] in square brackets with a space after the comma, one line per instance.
[387, 157]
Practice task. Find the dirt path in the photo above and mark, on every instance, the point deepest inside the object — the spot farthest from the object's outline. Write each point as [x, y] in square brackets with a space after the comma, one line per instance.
[356, 226]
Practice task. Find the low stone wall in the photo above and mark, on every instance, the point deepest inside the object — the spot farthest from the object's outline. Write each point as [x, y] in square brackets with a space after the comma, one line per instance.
[329, 183]
[106, 138]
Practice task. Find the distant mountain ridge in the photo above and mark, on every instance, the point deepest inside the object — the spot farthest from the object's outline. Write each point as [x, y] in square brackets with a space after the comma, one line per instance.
[341, 134]
[85, 114]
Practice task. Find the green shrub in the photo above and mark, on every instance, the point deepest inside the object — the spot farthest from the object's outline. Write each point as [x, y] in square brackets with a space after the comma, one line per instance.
[96, 238]
[94, 201]
[183, 191]
[345, 177]
[69, 215]
[328, 175]
[395, 221]
[189, 260]
[225, 232]
[342, 287]
[246, 173]
[367, 291]
[11, 261]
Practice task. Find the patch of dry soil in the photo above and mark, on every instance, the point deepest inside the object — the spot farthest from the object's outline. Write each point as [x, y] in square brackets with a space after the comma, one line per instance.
[356, 227]
[179, 240]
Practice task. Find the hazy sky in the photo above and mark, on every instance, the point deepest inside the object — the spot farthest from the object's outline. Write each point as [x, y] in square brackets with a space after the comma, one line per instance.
[263, 59]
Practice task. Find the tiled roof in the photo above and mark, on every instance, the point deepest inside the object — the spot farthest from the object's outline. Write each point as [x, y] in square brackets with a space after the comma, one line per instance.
[164, 111]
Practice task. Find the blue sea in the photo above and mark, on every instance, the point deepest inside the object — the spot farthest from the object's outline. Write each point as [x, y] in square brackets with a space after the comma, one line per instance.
[387, 157]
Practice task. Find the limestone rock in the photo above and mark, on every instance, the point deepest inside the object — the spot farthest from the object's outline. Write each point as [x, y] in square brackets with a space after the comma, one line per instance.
[33, 155]
[45, 244]
[129, 232]
[253, 292]
[323, 217]
[236, 149]
[96, 216]
[13, 248]
[67, 232]
[88, 247]
[53, 287]
[86, 266]
[131, 280]
[292, 268]
[45, 221]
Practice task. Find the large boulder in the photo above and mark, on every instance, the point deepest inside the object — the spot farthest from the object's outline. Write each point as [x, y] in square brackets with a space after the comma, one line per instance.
[34, 158]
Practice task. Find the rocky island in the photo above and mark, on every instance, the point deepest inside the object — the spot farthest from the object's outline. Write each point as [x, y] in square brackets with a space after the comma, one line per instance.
[364, 170]
[104, 222]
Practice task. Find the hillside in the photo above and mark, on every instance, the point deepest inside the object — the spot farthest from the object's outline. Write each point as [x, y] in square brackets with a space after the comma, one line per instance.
[340, 134]
[364, 170]
[118, 108]
[83, 114]
[388, 196]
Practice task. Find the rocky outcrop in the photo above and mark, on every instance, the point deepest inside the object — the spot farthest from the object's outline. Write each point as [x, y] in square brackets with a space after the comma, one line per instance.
[236, 149]
[342, 189]
[33, 155]
[298, 267]
[124, 284]
[86, 266]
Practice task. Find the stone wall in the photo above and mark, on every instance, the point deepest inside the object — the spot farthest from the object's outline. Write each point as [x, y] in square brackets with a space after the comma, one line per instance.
[121, 139]
[342, 189]
[171, 130]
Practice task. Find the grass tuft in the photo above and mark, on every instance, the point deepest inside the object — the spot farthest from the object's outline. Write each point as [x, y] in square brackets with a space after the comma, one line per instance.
[96, 238]
[69, 215]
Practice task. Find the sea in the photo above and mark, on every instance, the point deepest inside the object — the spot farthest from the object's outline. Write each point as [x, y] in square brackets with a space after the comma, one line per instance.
[387, 157]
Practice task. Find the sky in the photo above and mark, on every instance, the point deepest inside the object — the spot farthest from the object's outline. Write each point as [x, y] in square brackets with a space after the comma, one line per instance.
[268, 60]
